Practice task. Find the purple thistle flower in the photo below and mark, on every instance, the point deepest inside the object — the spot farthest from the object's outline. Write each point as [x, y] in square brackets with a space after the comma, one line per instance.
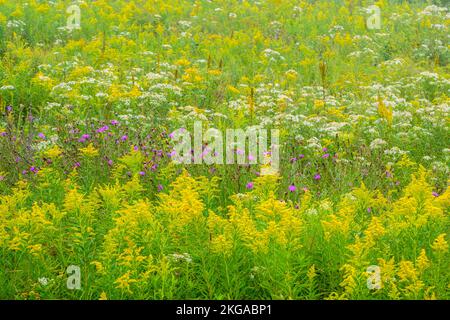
[249, 185]
[172, 154]
[160, 187]
[114, 122]
[434, 193]
[3, 134]
[102, 129]
[292, 188]
[204, 152]
[9, 109]
[293, 160]
[124, 138]
[34, 170]
[84, 137]
[326, 155]
[142, 173]
[110, 162]
[301, 156]
[317, 176]
[41, 135]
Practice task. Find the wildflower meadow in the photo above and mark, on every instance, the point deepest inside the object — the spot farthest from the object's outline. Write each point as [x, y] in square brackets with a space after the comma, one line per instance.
[215, 150]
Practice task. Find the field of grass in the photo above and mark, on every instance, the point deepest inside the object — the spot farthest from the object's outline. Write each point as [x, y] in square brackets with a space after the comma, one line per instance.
[93, 205]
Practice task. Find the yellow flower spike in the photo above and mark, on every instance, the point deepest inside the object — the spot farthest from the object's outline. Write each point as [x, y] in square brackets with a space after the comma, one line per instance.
[133, 187]
[124, 282]
[214, 72]
[233, 89]
[311, 274]
[384, 111]
[90, 151]
[422, 261]
[159, 29]
[394, 292]
[388, 270]
[349, 282]
[406, 271]
[134, 92]
[319, 104]
[133, 160]
[73, 200]
[182, 62]
[111, 195]
[405, 162]
[53, 153]
[221, 244]
[440, 244]
[98, 267]
[291, 75]
[373, 231]
[35, 249]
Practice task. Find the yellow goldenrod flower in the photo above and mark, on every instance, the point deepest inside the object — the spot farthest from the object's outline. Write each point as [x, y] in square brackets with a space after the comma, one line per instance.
[124, 282]
[214, 72]
[440, 244]
[233, 89]
[35, 249]
[385, 111]
[422, 261]
[98, 266]
[53, 153]
[221, 244]
[73, 200]
[318, 104]
[183, 62]
[407, 271]
[311, 274]
[349, 282]
[89, 151]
